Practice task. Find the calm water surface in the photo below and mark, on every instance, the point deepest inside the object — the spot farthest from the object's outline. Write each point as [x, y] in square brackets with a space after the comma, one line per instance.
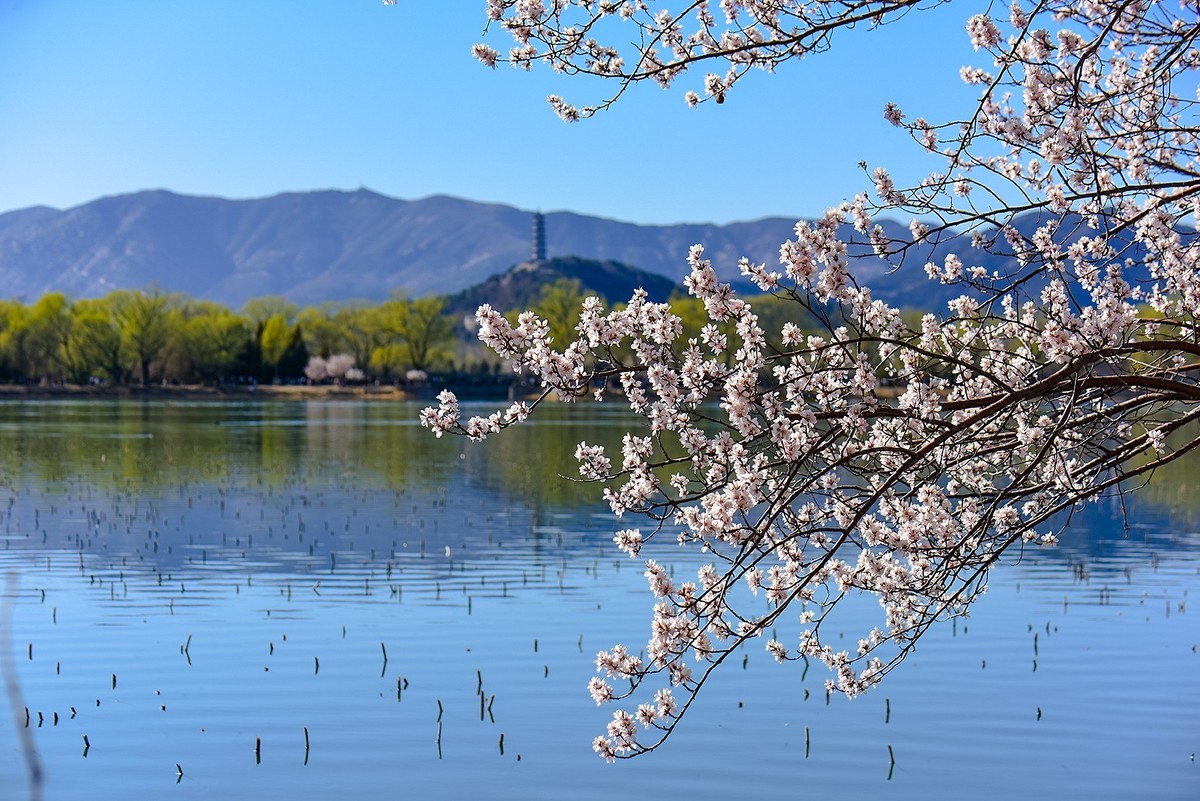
[195, 586]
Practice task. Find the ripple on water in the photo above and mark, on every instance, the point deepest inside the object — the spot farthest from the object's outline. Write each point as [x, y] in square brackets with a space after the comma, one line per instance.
[244, 573]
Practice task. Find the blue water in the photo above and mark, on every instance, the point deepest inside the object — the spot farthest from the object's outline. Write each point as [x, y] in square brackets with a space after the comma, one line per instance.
[192, 586]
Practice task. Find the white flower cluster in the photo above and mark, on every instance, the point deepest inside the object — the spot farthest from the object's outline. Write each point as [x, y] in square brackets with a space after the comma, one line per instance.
[335, 368]
[856, 448]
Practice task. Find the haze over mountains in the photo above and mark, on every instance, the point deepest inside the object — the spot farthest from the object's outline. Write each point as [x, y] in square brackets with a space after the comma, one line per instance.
[335, 246]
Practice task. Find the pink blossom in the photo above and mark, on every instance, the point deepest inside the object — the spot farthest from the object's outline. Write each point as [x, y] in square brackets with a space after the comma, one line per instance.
[856, 449]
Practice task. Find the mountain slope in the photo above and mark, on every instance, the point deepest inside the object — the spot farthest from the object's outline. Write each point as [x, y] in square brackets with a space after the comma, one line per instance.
[334, 246]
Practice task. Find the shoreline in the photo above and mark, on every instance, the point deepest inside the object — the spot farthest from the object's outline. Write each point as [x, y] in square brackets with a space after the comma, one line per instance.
[202, 392]
[285, 392]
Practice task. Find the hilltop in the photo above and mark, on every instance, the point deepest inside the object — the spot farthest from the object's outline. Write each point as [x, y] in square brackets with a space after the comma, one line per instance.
[519, 286]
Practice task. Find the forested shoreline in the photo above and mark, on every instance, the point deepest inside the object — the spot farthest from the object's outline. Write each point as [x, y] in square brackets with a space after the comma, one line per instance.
[136, 338]
[143, 339]
[167, 392]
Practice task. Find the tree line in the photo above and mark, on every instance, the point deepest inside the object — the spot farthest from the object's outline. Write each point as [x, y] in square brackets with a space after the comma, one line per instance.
[144, 337]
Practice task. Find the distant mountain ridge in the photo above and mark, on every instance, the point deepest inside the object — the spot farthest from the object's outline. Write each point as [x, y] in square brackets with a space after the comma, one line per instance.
[335, 246]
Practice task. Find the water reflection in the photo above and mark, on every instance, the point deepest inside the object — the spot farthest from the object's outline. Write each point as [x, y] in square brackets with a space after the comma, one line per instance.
[315, 477]
[155, 446]
[321, 599]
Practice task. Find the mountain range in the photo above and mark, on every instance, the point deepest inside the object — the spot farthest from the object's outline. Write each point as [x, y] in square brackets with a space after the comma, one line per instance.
[321, 246]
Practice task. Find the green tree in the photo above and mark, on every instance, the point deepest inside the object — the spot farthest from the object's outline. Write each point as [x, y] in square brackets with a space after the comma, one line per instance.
[11, 314]
[142, 320]
[274, 340]
[94, 344]
[389, 360]
[362, 330]
[250, 363]
[558, 304]
[295, 355]
[212, 339]
[41, 338]
[322, 335]
[420, 333]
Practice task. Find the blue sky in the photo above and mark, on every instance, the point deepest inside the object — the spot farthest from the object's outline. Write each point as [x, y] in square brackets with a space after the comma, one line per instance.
[248, 98]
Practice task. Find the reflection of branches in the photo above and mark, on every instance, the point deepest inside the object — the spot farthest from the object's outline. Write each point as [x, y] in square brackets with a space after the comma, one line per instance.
[12, 688]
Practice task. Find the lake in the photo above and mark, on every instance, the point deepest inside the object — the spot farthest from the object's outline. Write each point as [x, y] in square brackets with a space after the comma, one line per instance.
[320, 600]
